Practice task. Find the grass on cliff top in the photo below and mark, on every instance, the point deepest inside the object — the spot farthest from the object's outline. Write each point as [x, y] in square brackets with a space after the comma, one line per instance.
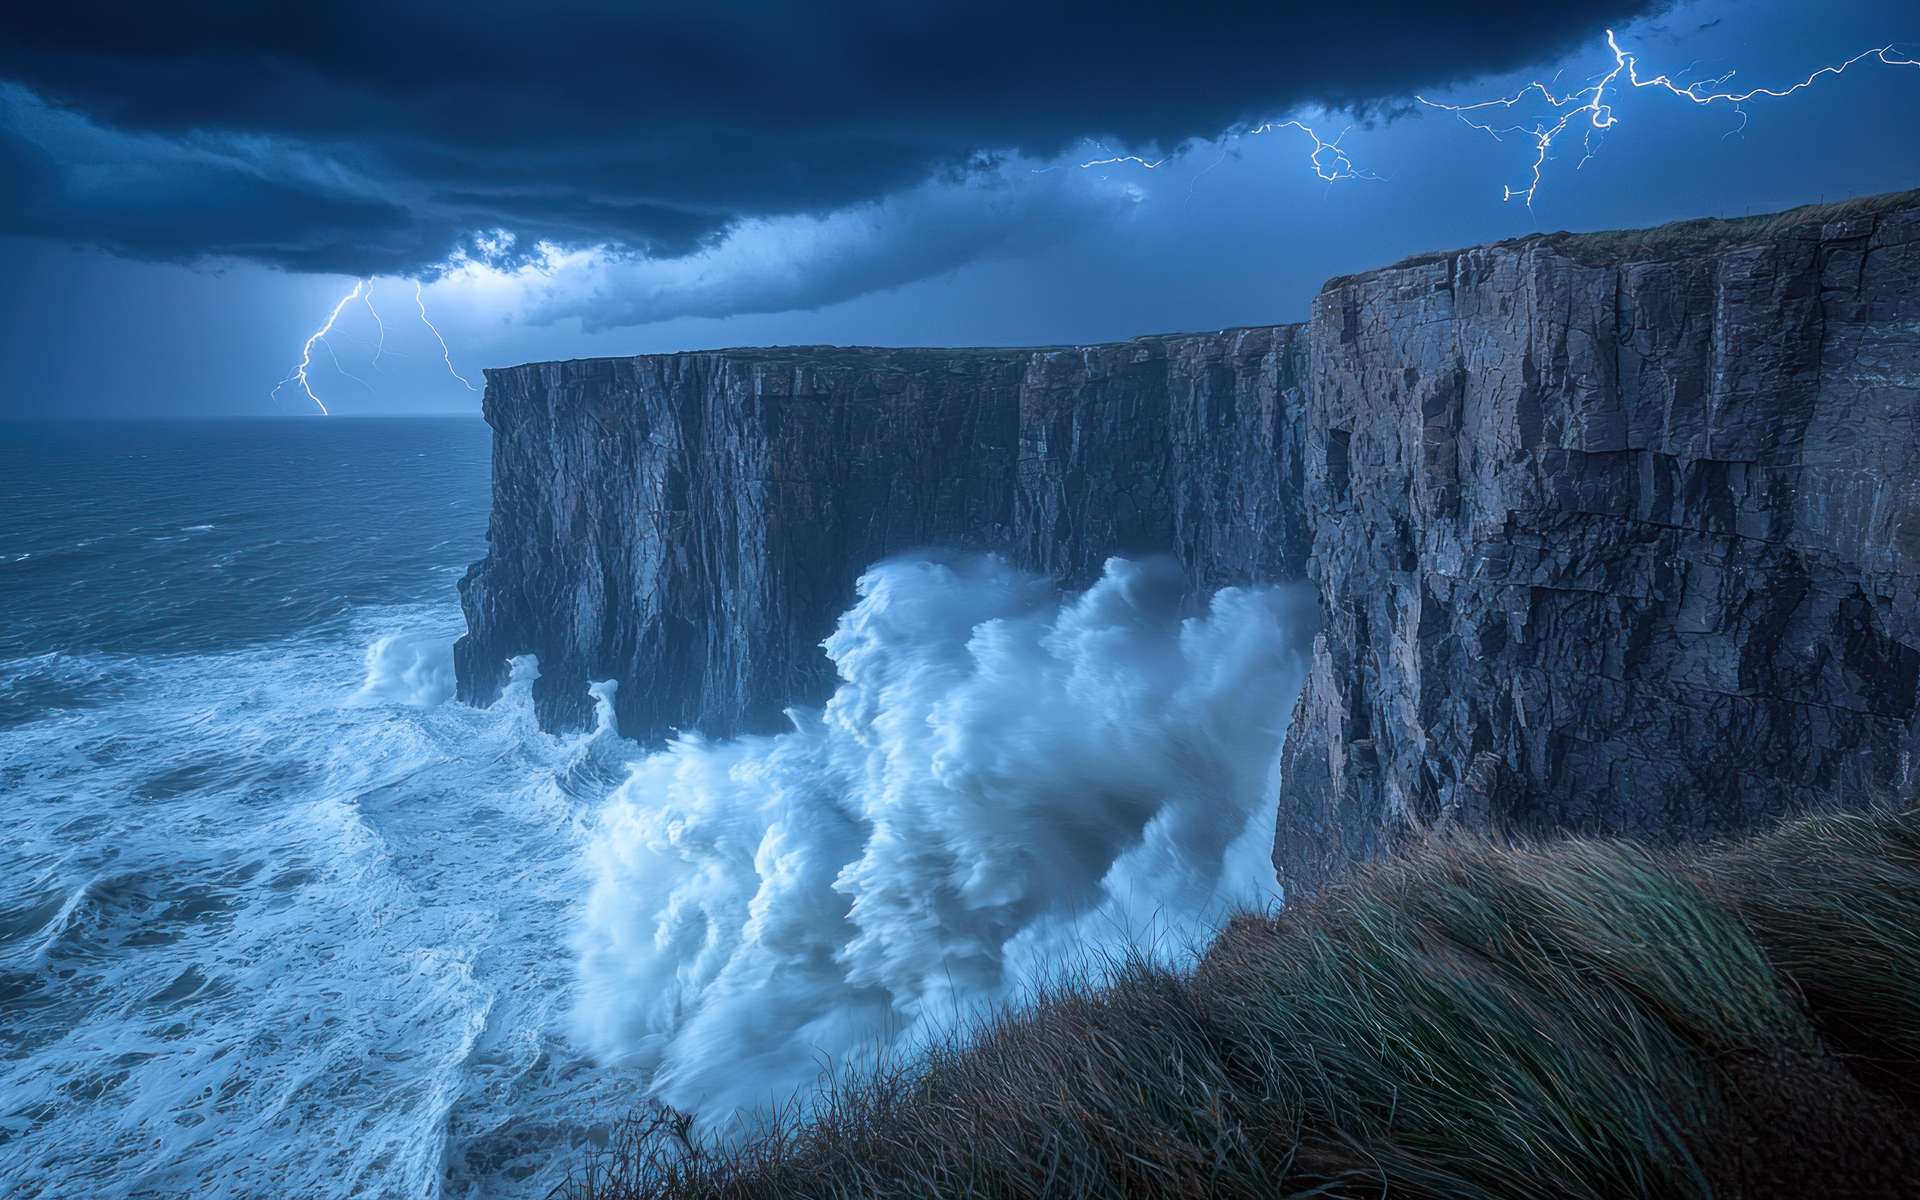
[1677, 239]
[1587, 1019]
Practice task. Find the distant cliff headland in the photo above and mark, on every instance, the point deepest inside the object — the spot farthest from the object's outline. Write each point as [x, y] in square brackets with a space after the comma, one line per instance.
[1613, 533]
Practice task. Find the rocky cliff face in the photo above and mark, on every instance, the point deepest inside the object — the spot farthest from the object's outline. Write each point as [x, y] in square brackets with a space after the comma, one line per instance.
[691, 525]
[1617, 533]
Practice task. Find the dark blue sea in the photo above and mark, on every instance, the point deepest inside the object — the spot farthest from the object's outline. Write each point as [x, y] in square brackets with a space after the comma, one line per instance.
[275, 919]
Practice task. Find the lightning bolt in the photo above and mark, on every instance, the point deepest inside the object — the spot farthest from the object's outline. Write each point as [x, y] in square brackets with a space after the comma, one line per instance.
[328, 343]
[1590, 107]
[363, 292]
[1327, 160]
[1124, 158]
[445, 355]
[379, 347]
[299, 372]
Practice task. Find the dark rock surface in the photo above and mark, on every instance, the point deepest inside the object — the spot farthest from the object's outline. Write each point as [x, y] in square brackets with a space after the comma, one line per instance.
[691, 525]
[1615, 533]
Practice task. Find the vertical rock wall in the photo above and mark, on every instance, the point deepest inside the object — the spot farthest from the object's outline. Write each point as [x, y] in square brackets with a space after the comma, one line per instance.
[691, 525]
[1614, 540]
[1616, 533]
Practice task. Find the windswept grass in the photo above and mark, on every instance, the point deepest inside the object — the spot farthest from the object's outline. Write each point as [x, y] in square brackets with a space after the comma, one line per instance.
[1588, 1020]
[1836, 903]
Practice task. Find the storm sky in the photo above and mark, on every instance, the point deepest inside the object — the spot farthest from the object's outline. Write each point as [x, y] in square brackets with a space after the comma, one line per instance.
[183, 198]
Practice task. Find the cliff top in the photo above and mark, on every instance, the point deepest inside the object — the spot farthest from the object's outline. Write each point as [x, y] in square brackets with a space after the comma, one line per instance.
[818, 355]
[864, 356]
[1674, 240]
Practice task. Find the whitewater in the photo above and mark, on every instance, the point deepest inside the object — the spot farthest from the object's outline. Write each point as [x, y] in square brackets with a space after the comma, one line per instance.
[277, 915]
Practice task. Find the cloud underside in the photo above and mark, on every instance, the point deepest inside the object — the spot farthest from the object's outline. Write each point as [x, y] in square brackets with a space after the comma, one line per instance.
[364, 139]
[783, 264]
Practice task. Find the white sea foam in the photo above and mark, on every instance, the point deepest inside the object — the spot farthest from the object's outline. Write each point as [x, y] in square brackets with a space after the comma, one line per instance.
[408, 668]
[281, 920]
[1002, 779]
[261, 934]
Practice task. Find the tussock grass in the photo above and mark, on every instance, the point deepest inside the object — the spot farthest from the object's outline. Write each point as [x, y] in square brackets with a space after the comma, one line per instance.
[1586, 1019]
[1835, 901]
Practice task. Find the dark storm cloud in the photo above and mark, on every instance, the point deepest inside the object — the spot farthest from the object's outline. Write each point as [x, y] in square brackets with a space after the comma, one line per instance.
[368, 137]
[153, 199]
[805, 263]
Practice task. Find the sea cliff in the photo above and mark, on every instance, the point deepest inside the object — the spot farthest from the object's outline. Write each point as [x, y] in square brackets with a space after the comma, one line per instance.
[1612, 532]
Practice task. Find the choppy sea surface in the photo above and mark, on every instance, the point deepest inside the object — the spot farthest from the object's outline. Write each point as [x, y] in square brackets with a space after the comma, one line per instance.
[275, 919]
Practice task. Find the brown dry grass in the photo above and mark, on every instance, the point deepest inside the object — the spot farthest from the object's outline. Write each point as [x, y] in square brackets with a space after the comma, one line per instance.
[1586, 1019]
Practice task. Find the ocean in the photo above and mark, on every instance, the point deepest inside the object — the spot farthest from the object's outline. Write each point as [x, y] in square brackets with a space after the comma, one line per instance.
[275, 919]
[279, 917]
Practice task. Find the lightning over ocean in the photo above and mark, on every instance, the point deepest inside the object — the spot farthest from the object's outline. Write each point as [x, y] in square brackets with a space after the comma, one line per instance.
[446, 356]
[299, 372]
[361, 291]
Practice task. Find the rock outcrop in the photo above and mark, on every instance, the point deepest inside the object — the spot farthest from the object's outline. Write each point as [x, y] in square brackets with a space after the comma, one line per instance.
[1615, 533]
